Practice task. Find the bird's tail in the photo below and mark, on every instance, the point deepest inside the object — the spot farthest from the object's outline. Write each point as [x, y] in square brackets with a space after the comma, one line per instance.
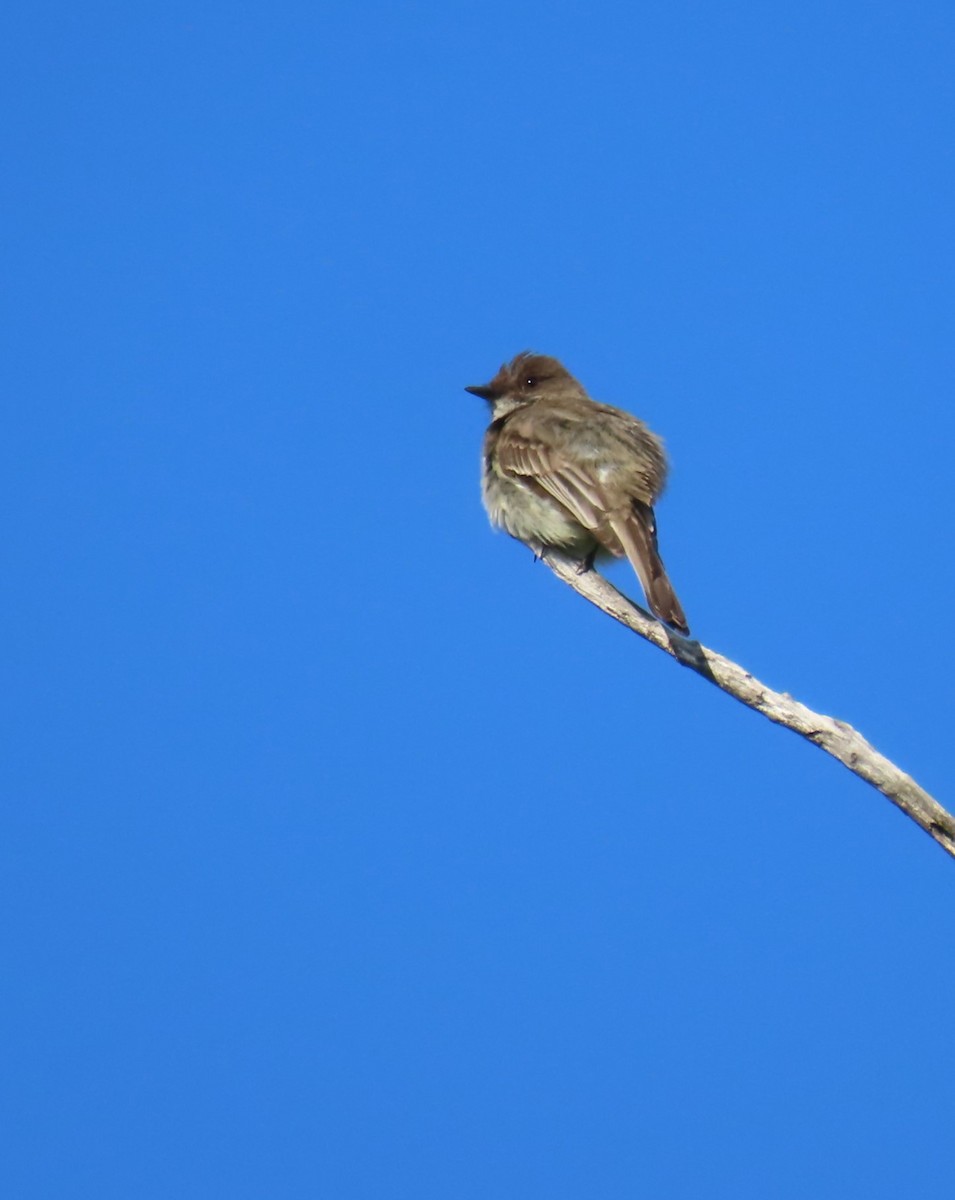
[637, 531]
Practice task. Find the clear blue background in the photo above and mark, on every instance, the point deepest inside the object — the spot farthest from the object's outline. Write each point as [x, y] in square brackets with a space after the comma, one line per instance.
[345, 852]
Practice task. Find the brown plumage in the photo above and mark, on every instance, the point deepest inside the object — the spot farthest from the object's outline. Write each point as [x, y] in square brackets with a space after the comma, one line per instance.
[562, 471]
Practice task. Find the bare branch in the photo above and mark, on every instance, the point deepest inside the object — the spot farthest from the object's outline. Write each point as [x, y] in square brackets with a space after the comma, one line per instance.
[835, 737]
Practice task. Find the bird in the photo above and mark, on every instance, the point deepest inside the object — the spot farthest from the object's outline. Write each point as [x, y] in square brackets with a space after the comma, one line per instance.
[564, 472]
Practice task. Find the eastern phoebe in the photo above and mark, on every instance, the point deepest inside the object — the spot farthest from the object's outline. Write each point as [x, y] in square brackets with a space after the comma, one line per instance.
[564, 472]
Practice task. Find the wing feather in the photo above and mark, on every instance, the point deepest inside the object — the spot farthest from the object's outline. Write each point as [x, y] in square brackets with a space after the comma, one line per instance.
[578, 476]
[569, 483]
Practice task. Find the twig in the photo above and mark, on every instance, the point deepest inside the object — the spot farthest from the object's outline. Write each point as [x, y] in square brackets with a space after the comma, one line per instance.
[835, 737]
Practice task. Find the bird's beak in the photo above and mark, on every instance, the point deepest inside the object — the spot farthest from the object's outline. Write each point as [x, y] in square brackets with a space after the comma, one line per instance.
[484, 390]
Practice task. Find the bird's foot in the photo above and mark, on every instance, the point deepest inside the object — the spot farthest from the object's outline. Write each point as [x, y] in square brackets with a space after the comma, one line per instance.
[586, 564]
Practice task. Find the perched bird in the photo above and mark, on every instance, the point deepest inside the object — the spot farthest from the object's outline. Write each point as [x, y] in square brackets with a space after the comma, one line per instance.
[564, 472]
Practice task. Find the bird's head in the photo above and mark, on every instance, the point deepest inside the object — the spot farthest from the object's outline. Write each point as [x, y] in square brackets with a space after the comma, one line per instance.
[526, 378]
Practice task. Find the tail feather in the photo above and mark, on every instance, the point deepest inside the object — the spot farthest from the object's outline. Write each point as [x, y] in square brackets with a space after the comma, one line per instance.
[637, 533]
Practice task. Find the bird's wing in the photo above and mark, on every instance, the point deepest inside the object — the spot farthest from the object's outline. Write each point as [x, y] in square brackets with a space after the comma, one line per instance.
[538, 460]
[621, 521]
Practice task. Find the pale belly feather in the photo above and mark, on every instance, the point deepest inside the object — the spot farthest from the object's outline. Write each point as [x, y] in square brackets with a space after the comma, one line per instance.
[537, 520]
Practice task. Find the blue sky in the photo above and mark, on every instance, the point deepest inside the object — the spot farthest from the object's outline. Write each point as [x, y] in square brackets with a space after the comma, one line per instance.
[345, 853]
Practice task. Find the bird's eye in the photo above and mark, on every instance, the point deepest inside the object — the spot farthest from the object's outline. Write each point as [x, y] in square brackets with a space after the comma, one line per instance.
[531, 381]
